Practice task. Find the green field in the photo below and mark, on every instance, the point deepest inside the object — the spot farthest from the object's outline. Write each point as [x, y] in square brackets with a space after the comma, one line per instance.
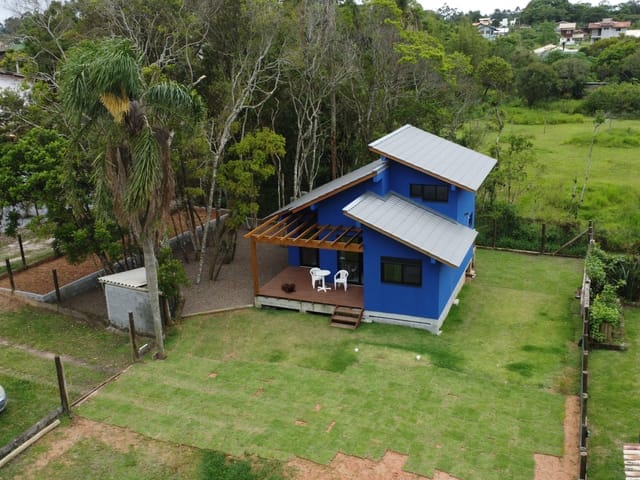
[614, 402]
[29, 378]
[612, 195]
[484, 396]
[482, 399]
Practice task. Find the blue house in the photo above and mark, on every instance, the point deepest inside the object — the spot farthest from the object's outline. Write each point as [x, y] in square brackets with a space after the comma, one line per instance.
[401, 226]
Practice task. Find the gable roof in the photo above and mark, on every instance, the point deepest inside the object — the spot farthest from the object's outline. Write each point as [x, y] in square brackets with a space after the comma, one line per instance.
[334, 186]
[406, 222]
[435, 156]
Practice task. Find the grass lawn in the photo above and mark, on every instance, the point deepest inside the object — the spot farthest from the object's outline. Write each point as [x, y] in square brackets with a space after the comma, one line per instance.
[484, 397]
[612, 197]
[30, 379]
[614, 402]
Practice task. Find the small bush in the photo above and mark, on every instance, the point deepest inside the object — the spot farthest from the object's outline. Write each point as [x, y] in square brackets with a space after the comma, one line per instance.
[217, 466]
[528, 116]
[595, 267]
[171, 277]
[604, 309]
[613, 138]
[620, 99]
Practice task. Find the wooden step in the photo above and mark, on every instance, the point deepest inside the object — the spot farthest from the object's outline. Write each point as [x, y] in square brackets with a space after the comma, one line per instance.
[346, 317]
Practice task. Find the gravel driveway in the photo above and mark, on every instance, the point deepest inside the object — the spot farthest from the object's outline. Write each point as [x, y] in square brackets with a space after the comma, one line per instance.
[233, 289]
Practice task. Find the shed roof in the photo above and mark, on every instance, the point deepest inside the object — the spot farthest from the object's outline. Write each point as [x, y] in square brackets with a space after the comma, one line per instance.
[328, 189]
[415, 226]
[135, 278]
[435, 156]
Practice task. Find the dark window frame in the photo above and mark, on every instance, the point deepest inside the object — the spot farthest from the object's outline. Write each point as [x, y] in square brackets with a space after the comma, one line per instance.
[315, 263]
[405, 264]
[430, 193]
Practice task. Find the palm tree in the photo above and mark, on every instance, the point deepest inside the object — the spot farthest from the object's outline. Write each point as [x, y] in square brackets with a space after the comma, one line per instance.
[104, 91]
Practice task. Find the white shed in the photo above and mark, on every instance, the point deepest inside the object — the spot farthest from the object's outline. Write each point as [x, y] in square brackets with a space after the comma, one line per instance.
[126, 292]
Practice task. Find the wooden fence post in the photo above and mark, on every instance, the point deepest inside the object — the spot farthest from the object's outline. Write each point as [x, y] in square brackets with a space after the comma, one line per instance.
[495, 232]
[132, 336]
[583, 463]
[10, 272]
[62, 385]
[54, 272]
[24, 260]
[584, 424]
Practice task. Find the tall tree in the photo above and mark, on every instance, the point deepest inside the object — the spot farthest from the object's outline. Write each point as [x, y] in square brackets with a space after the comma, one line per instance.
[248, 75]
[315, 71]
[103, 88]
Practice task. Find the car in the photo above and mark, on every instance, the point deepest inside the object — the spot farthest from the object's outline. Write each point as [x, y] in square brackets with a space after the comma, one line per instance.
[3, 399]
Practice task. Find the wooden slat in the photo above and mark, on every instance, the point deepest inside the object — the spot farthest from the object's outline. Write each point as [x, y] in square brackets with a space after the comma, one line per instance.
[296, 230]
[631, 456]
[346, 317]
[339, 237]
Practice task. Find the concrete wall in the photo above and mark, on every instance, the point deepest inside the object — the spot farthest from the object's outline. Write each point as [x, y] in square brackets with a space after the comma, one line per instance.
[122, 300]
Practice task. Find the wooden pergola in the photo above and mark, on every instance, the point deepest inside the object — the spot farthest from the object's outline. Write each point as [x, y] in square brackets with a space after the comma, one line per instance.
[301, 230]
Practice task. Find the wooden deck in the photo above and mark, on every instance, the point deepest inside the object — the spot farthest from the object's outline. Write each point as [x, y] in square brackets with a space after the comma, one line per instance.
[304, 293]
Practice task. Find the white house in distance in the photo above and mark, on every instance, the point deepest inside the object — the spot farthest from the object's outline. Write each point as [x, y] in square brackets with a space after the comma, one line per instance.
[607, 28]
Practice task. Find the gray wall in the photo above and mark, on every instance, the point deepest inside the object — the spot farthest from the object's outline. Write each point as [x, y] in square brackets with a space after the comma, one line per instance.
[122, 300]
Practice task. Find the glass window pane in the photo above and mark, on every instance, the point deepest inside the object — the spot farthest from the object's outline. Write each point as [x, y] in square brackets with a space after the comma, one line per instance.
[391, 272]
[429, 193]
[413, 274]
[442, 194]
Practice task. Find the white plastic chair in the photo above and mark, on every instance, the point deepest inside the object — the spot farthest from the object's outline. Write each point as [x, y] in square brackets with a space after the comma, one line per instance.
[340, 278]
[315, 276]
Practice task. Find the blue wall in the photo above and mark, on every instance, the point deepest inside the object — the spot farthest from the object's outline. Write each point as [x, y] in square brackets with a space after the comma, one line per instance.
[393, 298]
[449, 278]
[438, 280]
[329, 212]
[466, 208]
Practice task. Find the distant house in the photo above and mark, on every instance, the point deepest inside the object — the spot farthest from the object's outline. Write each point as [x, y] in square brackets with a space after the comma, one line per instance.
[401, 226]
[566, 30]
[12, 81]
[487, 30]
[607, 28]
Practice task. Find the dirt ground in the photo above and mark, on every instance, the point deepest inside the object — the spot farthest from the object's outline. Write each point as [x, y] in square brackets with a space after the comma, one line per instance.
[38, 278]
[233, 289]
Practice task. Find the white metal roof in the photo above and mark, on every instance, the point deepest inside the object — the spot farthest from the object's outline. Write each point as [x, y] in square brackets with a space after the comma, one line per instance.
[435, 156]
[417, 227]
[135, 278]
[352, 178]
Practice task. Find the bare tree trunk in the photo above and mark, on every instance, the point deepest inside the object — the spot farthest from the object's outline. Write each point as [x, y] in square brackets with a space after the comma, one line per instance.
[151, 270]
[243, 89]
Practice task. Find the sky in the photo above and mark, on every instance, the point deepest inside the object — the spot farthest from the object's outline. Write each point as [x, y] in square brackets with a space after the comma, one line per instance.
[485, 7]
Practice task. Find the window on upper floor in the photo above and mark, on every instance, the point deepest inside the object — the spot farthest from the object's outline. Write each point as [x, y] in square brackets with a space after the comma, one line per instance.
[404, 271]
[430, 193]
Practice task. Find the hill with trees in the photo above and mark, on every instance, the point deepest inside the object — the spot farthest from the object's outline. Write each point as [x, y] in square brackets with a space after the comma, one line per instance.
[292, 92]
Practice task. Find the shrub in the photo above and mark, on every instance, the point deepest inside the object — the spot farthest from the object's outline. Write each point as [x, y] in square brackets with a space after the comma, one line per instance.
[171, 277]
[621, 99]
[624, 271]
[595, 267]
[604, 309]
[216, 466]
